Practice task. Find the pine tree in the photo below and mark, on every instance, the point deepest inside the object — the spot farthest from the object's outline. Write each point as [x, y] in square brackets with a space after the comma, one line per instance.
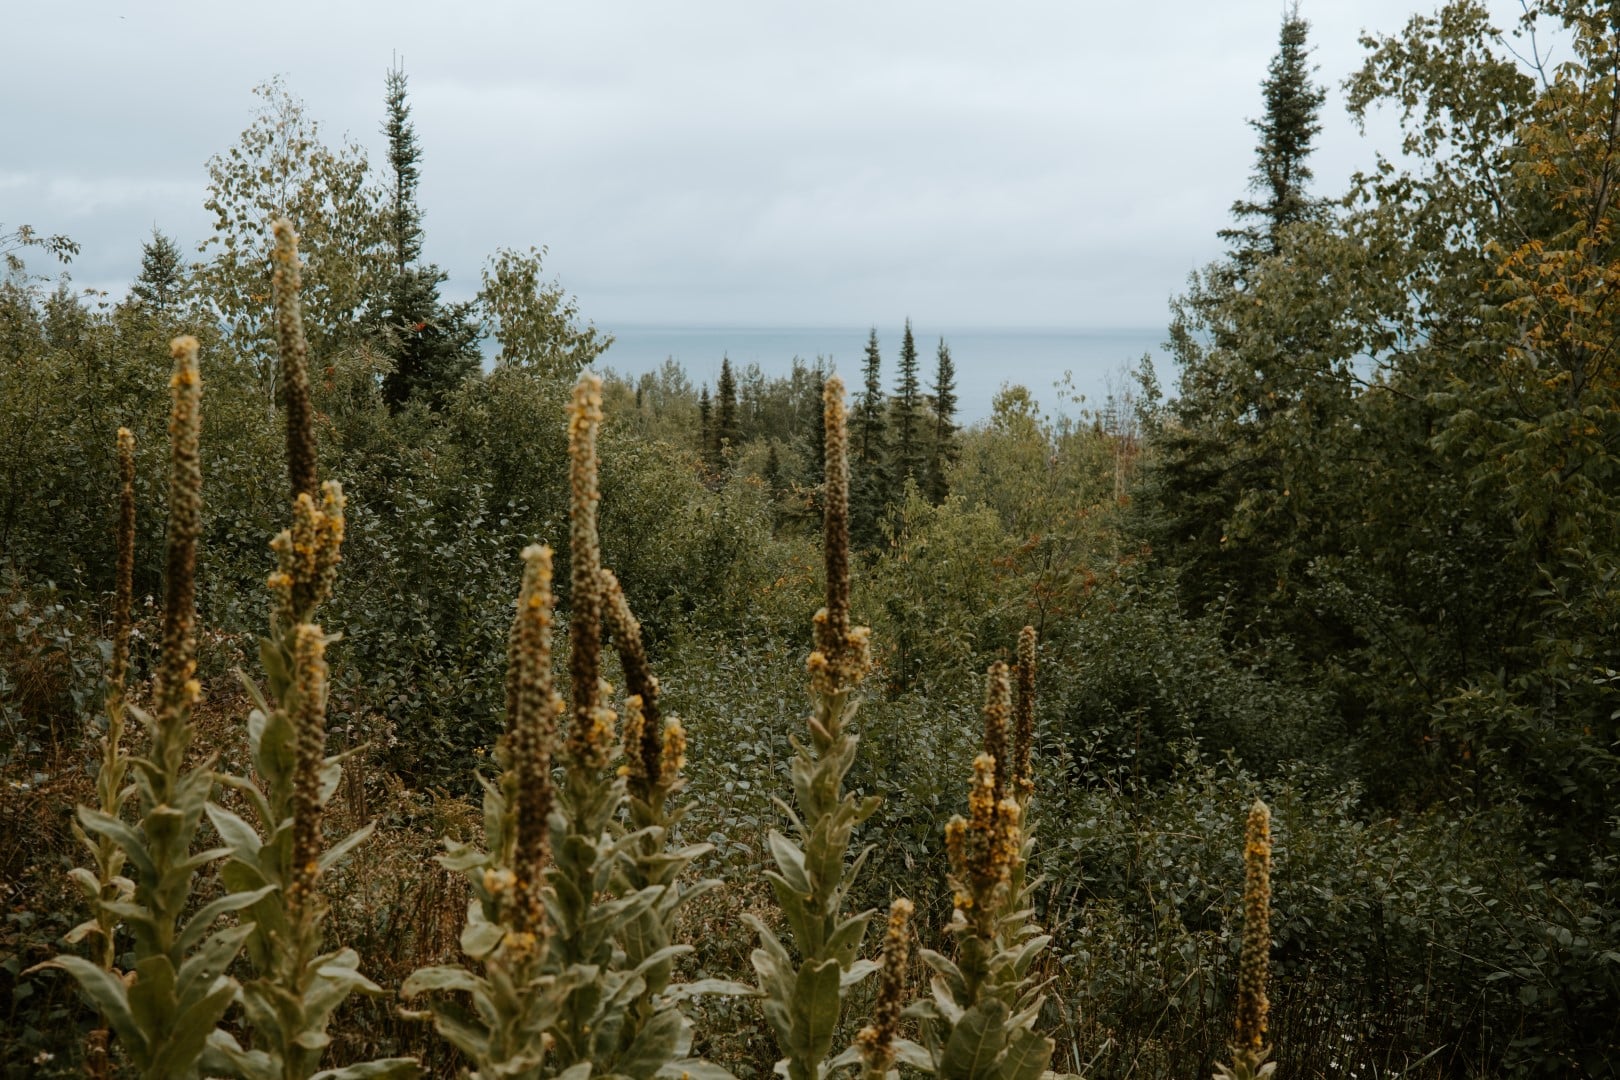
[706, 441]
[726, 431]
[433, 344]
[162, 280]
[869, 472]
[906, 414]
[404, 217]
[816, 449]
[869, 434]
[1249, 389]
[944, 449]
[1291, 122]
[773, 472]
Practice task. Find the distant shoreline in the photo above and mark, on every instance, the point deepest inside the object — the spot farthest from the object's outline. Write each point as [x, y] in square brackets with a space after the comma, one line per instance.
[985, 357]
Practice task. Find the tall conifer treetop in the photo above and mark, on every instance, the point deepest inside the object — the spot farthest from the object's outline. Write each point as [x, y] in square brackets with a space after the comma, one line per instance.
[869, 411]
[404, 217]
[944, 448]
[163, 273]
[907, 413]
[1291, 122]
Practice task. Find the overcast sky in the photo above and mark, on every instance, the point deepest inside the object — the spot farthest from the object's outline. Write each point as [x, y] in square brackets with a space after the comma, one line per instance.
[1055, 164]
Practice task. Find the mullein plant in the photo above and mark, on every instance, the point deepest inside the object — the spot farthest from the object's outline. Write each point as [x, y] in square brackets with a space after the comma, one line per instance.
[515, 999]
[571, 911]
[803, 996]
[279, 859]
[107, 883]
[979, 1023]
[164, 1010]
[877, 1045]
[1249, 1049]
[610, 1022]
[653, 755]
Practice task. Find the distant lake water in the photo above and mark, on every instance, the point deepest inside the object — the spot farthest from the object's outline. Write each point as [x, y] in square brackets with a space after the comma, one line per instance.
[985, 358]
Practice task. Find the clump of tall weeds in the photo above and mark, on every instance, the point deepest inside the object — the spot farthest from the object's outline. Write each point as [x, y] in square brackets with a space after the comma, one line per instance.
[106, 884]
[803, 989]
[1249, 1049]
[578, 882]
[165, 1008]
[279, 858]
[980, 1021]
[575, 890]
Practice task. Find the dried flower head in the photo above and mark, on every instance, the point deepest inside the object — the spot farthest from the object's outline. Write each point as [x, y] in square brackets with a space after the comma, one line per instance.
[1024, 717]
[285, 281]
[307, 556]
[308, 716]
[997, 712]
[1254, 961]
[982, 847]
[175, 690]
[531, 732]
[584, 626]
[641, 683]
[630, 735]
[844, 651]
[876, 1041]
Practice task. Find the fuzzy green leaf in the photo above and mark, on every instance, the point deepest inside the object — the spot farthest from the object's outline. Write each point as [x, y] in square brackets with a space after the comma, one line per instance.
[199, 923]
[976, 1039]
[1028, 1055]
[654, 1046]
[334, 854]
[242, 837]
[790, 860]
[815, 1009]
[108, 993]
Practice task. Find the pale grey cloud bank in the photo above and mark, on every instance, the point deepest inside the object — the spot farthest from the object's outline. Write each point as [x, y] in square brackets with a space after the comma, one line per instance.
[1014, 164]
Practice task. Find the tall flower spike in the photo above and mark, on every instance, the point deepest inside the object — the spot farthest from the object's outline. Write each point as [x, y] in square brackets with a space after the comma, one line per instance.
[997, 707]
[1254, 961]
[1024, 717]
[285, 280]
[640, 682]
[584, 601]
[841, 655]
[876, 1041]
[983, 846]
[123, 589]
[175, 689]
[309, 734]
[307, 556]
[532, 728]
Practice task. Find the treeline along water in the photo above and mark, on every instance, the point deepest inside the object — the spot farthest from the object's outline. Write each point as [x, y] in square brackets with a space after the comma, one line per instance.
[985, 358]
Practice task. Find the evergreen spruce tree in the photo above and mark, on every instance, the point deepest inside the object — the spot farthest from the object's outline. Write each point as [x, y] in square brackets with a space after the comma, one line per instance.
[162, 281]
[943, 451]
[433, 344]
[1291, 122]
[815, 456]
[773, 472]
[869, 472]
[727, 433]
[906, 415]
[869, 433]
[404, 216]
[706, 440]
[1249, 391]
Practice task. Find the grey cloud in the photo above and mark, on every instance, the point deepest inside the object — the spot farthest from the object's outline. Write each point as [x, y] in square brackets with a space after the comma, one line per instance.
[838, 163]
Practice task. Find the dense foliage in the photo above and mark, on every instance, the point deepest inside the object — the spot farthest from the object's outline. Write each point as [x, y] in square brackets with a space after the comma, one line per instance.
[1362, 563]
